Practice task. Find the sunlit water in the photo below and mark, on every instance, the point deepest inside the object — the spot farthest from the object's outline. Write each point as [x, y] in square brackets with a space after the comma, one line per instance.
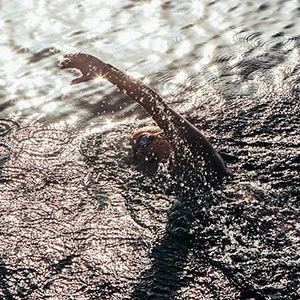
[79, 220]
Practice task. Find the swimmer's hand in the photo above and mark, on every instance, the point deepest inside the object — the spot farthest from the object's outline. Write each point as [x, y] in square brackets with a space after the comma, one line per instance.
[90, 66]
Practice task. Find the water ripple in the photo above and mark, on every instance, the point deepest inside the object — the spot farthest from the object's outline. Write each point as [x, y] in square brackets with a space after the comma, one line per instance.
[6, 126]
[79, 218]
[18, 179]
[42, 142]
[4, 152]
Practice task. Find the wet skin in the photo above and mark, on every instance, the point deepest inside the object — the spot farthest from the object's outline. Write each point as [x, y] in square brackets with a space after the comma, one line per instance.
[193, 153]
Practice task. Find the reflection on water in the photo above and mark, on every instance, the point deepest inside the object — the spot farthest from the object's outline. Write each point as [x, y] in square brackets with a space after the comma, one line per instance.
[79, 220]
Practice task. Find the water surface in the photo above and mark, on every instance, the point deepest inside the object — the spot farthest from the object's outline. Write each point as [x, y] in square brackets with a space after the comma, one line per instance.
[79, 220]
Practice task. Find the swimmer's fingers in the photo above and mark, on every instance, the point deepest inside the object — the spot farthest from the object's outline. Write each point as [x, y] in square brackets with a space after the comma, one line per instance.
[79, 79]
[90, 66]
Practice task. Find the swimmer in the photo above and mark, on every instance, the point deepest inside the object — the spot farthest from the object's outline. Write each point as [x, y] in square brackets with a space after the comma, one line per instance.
[175, 139]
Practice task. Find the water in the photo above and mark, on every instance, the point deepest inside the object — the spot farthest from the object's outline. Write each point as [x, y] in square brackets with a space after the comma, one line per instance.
[79, 220]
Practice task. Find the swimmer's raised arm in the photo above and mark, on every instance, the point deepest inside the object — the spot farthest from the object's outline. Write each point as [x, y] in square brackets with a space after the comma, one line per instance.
[191, 148]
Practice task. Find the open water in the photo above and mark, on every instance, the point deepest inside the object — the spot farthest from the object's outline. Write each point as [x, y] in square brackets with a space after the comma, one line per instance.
[78, 220]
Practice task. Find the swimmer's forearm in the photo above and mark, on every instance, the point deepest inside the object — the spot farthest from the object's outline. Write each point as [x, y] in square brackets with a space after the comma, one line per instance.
[92, 67]
[161, 113]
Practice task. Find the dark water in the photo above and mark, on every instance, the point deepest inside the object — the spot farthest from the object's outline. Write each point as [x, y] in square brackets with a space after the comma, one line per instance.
[80, 221]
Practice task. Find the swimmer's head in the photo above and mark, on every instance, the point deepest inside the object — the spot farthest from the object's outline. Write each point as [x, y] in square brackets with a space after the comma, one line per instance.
[150, 144]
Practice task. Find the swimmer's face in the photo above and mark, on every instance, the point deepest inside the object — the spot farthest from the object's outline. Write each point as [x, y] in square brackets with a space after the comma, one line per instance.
[148, 146]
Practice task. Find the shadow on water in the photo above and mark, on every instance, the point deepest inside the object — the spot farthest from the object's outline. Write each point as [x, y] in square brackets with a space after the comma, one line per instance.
[3, 281]
[183, 253]
[170, 268]
[227, 241]
[164, 278]
[169, 255]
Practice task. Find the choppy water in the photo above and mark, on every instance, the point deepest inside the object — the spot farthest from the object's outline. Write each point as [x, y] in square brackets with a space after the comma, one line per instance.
[79, 221]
